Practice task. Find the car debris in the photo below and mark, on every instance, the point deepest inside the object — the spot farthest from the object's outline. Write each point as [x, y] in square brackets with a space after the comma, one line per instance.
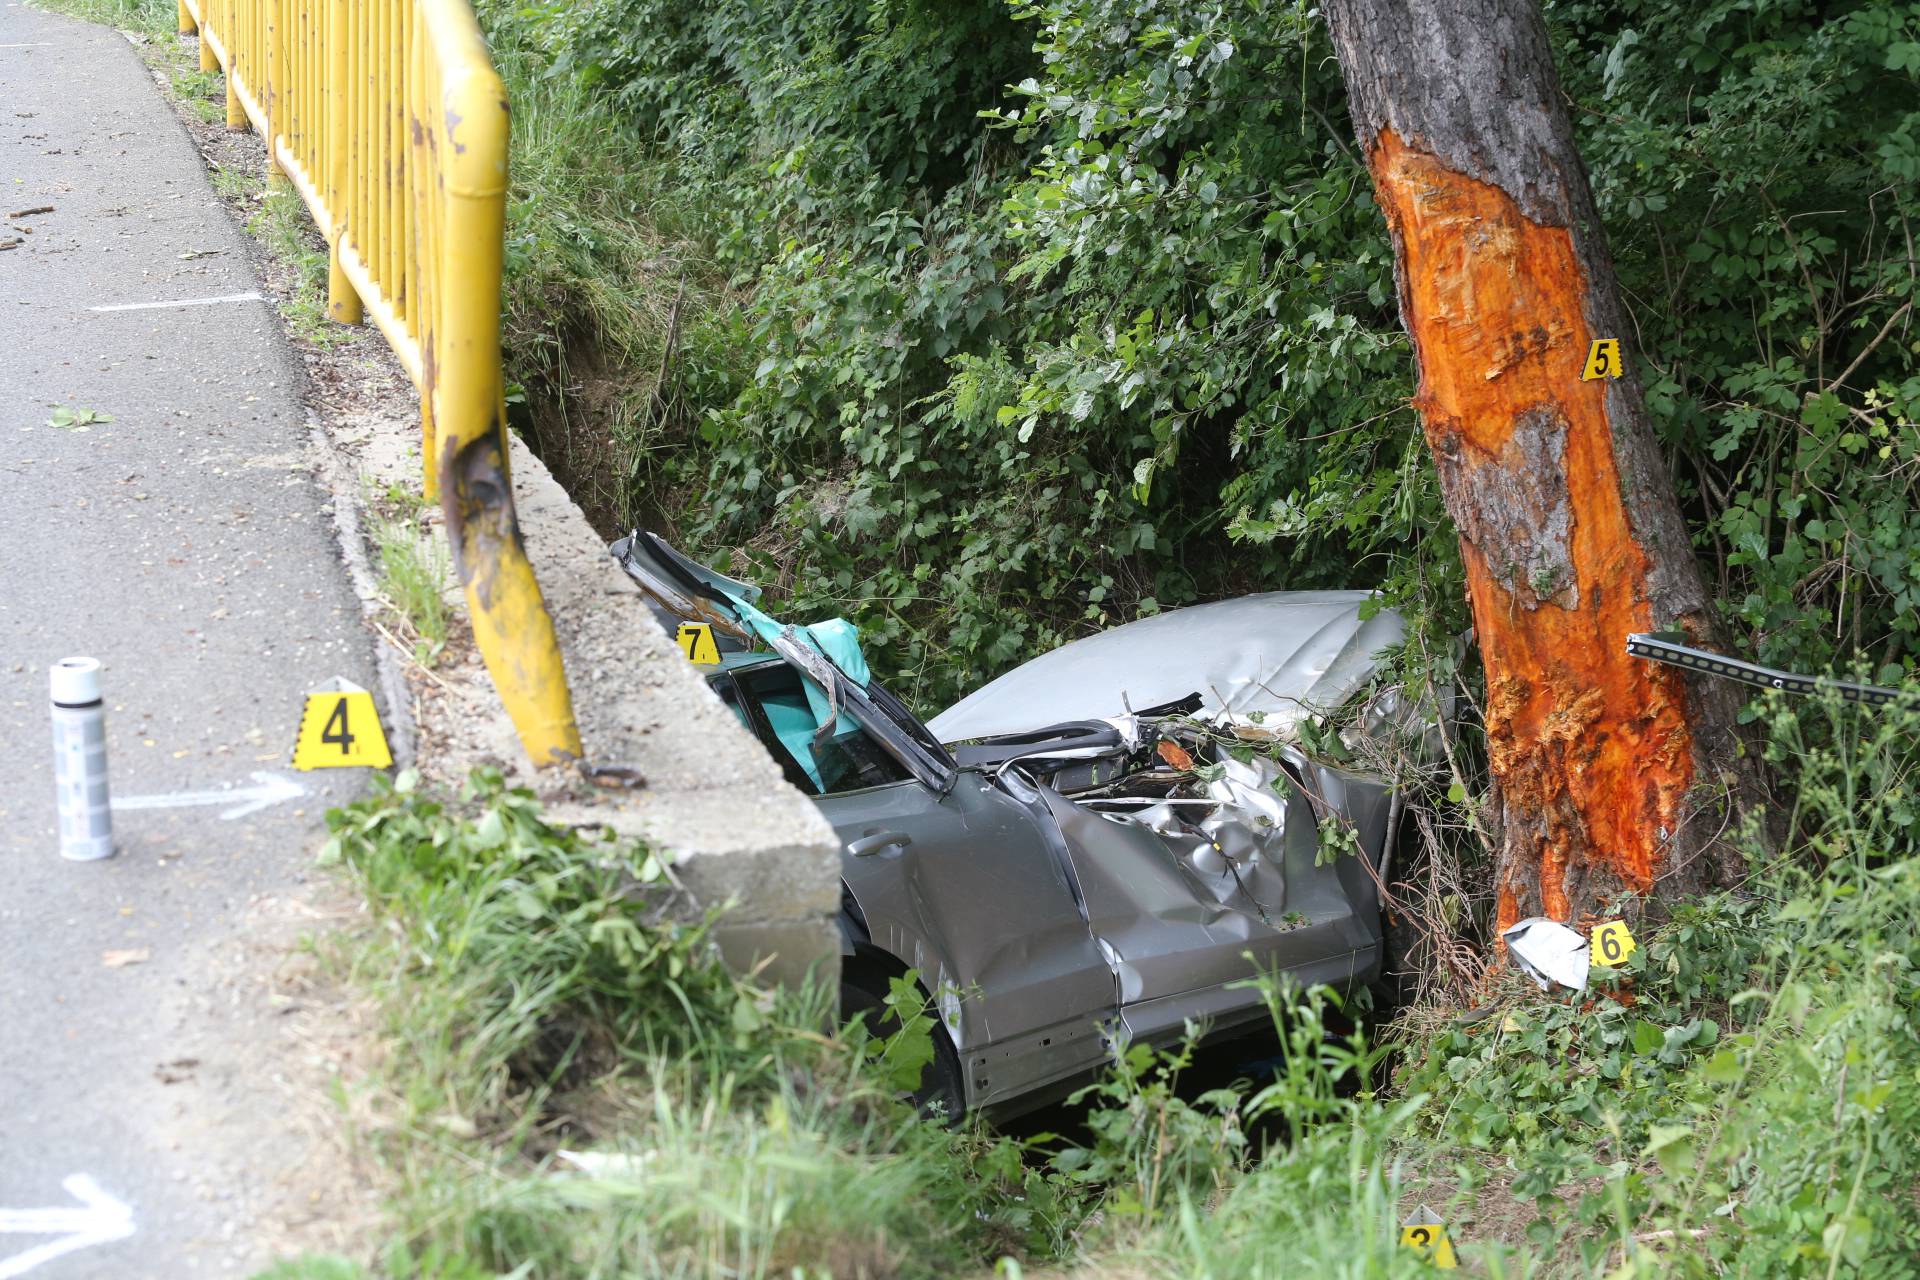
[1549, 952]
[1103, 845]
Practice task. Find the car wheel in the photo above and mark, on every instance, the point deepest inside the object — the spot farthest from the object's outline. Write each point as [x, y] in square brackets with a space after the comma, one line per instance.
[864, 990]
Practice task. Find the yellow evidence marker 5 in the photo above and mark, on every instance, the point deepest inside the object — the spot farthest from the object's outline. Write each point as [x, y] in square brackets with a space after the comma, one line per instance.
[696, 641]
[1603, 360]
[340, 729]
[1612, 943]
[1424, 1231]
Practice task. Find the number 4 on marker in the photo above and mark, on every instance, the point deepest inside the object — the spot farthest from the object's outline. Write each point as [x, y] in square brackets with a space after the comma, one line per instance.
[1603, 360]
[340, 729]
[335, 733]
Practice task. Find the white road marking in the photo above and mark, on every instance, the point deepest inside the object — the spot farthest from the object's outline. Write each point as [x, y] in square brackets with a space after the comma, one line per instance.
[268, 789]
[102, 1219]
[249, 296]
[31, 44]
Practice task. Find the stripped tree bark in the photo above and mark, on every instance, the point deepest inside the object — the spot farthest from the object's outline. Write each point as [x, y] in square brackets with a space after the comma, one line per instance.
[1611, 775]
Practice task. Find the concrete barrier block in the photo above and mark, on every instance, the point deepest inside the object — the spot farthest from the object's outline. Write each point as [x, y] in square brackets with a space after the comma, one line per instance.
[710, 796]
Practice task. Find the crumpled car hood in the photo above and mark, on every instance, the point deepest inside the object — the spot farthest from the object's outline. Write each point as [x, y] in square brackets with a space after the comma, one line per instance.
[1285, 654]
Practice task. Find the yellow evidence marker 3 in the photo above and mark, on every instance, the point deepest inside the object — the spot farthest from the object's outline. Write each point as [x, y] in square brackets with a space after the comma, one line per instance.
[340, 729]
[1424, 1231]
[696, 641]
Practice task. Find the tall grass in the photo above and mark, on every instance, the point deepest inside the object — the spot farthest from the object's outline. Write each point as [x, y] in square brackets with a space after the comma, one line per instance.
[413, 563]
[152, 18]
[1737, 1100]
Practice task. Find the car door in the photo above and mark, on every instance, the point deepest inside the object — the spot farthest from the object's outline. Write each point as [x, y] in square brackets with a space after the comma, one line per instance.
[968, 886]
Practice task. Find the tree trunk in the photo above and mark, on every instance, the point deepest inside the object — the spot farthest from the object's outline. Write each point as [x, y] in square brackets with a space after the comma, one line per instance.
[1612, 775]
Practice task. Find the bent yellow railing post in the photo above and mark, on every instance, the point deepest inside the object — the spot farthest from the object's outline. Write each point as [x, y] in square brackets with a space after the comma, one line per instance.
[510, 618]
[387, 117]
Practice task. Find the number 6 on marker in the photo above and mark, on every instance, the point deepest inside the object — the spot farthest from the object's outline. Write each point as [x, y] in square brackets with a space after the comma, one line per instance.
[1612, 943]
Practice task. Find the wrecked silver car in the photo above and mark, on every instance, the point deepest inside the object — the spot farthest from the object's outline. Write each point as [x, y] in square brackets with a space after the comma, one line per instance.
[1102, 844]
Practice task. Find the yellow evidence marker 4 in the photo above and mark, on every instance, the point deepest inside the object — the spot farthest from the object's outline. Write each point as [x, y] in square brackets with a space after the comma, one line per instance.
[1424, 1231]
[340, 729]
[696, 641]
[1612, 943]
[1603, 360]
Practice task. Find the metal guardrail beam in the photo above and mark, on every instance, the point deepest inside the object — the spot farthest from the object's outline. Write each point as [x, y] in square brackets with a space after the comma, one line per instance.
[388, 119]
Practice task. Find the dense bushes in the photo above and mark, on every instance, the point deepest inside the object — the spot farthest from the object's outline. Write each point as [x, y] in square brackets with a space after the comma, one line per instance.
[1007, 322]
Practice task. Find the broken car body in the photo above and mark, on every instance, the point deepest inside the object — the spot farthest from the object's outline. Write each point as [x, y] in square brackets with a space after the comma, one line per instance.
[1106, 842]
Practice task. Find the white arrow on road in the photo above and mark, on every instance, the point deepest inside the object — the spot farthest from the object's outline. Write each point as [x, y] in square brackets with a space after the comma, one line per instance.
[267, 789]
[101, 1219]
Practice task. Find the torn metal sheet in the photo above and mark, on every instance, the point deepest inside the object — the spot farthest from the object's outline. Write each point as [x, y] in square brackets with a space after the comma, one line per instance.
[1284, 655]
[1548, 952]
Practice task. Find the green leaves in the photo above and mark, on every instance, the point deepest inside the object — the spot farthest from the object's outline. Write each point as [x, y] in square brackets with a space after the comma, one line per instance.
[68, 418]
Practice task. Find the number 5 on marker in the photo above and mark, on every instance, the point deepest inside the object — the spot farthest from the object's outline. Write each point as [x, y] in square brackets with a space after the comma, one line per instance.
[1603, 360]
[1612, 943]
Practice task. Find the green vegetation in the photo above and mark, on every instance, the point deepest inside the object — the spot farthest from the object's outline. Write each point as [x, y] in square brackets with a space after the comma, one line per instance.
[154, 19]
[414, 565]
[989, 324]
[283, 225]
[1736, 1099]
[201, 92]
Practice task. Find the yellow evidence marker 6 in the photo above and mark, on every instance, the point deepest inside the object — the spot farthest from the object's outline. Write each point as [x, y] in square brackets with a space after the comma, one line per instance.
[696, 641]
[1603, 360]
[1612, 943]
[340, 729]
[1424, 1231]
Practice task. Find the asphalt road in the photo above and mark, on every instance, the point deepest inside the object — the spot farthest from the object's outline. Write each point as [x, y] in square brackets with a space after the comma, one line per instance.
[182, 542]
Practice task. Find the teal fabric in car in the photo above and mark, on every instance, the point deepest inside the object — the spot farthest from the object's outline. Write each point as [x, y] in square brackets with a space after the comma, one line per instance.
[796, 720]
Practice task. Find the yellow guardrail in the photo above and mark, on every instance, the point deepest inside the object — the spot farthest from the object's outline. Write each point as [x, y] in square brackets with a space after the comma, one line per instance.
[389, 120]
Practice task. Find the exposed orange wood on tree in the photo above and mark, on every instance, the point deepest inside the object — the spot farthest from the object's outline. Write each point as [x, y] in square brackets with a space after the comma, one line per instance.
[1595, 742]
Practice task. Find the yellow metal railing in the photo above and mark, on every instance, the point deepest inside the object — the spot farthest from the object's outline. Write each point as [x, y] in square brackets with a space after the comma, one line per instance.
[388, 119]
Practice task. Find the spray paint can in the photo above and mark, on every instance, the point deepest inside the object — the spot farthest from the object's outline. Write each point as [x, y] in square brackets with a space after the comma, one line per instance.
[80, 761]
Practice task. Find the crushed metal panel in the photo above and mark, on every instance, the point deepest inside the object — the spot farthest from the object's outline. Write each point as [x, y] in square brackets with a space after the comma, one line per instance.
[978, 903]
[1172, 925]
[1284, 655]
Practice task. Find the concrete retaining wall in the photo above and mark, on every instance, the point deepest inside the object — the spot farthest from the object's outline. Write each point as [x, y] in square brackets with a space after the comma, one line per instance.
[712, 796]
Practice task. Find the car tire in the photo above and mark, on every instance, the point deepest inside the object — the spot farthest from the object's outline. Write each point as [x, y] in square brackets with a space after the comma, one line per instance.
[864, 990]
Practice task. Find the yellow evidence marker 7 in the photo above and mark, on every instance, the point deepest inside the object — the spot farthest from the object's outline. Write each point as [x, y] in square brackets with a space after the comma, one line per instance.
[696, 641]
[1603, 360]
[1424, 1231]
[340, 729]
[1612, 943]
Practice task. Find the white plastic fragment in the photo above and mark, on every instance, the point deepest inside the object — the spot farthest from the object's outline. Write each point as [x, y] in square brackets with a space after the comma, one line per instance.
[608, 1164]
[1548, 952]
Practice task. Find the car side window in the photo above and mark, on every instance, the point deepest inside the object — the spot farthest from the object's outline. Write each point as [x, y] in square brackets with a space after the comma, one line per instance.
[723, 685]
[772, 701]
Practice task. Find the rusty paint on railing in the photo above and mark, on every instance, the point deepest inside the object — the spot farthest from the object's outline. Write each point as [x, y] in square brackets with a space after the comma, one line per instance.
[389, 120]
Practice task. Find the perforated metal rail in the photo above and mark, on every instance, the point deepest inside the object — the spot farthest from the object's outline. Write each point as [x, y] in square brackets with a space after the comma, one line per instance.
[1669, 647]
